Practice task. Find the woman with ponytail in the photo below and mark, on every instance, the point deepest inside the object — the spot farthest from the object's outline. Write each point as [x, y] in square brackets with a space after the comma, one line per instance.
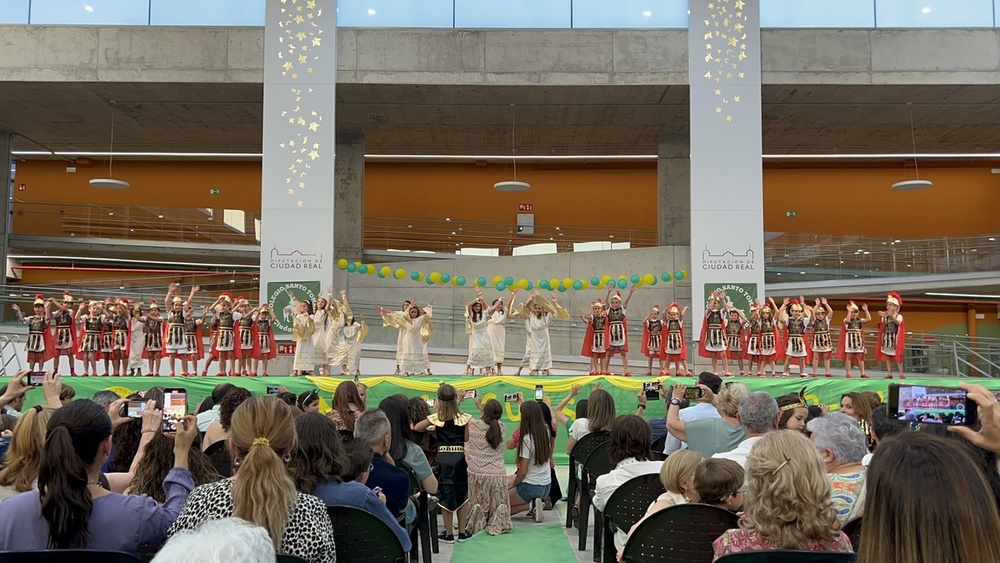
[70, 510]
[261, 440]
[488, 500]
[24, 457]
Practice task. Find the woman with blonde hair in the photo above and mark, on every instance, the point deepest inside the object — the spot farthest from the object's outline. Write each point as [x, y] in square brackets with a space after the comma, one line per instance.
[787, 501]
[600, 415]
[24, 457]
[261, 440]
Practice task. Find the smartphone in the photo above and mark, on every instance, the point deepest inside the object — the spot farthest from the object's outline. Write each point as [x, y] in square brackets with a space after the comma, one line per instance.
[932, 405]
[692, 393]
[539, 392]
[273, 389]
[430, 403]
[36, 378]
[652, 390]
[376, 491]
[510, 397]
[133, 408]
[471, 394]
[174, 408]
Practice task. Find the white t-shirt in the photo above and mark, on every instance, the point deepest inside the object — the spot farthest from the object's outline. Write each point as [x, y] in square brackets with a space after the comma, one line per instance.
[537, 474]
[579, 429]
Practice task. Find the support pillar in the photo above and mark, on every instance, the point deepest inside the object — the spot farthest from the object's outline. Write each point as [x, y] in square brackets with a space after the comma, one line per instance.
[349, 197]
[7, 190]
[673, 194]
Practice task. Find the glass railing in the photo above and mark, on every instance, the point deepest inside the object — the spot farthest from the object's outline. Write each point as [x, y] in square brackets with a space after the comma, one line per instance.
[477, 14]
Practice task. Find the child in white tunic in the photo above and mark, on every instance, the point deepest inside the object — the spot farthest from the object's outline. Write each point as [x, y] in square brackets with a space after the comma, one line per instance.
[416, 331]
[477, 319]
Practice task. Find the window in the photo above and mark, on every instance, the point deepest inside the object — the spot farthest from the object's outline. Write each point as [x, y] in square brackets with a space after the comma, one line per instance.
[534, 249]
[513, 14]
[395, 13]
[90, 12]
[642, 14]
[817, 13]
[934, 13]
[13, 12]
[206, 13]
[478, 252]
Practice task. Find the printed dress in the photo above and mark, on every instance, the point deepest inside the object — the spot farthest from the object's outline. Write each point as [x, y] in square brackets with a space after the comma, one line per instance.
[489, 502]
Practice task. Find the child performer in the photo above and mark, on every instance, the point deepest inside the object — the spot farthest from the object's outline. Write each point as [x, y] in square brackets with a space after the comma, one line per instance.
[399, 335]
[413, 355]
[303, 328]
[713, 331]
[244, 328]
[65, 338]
[137, 344]
[477, 318]
[522, 311]
[795, 318]
[121, 337]
[767, 343]
[107, 333]
[675, 349]
[498, 331]
[174, 339]
[652, 339]
[822, 343]
[154, 338]
[851, 344]
[618, 331]
[735, 339]
[753, 339]
[264, 349]
[194, 344]
[595, 341]
[354, 335]
[224, 342]
[537, 331]
[891, 336]
[40, 346]
[89, 338]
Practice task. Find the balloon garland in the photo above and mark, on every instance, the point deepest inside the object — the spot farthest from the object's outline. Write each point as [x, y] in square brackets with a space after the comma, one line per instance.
[503, 283]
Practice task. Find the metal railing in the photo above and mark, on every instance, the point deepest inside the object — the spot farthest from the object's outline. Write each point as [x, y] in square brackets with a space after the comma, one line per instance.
[975, 362]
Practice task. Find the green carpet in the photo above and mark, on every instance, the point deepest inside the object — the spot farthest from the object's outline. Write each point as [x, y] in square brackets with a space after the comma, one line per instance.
[540, 542]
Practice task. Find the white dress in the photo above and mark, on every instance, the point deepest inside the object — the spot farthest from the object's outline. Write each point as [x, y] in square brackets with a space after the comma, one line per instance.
[352, 347]
[498, 335]
[137, 344]
[305, 351]
[539, 347]
[320, 338]
[399, 342]
[337, 344]
[413, 353]
[480, 343]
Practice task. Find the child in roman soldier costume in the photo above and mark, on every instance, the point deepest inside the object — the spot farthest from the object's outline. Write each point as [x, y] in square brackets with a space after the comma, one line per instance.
[652, 339]
[795, 320]
[65, 336]
[155, 328]
[851, 344]
[244, 331]
[174, 340]
[89, 339]
[107, 333]
[736, 340]
[595, 341]
[674, 351]
[822, 342]
[618, 331]
[768, 340]
[264, 349]
[121, 337]
[752, 333]
[194, 342]
[712, 343]
[891, 336]
[224, 346]
[40, 345]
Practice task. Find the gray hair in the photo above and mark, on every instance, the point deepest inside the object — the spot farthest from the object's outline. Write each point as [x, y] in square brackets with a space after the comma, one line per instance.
[219, 541]
[758, 412]
[729, 398]
[841, 435]
[371, 427]
[105, 398]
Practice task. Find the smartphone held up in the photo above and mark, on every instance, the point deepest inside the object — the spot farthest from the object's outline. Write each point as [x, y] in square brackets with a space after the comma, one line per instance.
[174, 409]
[923, 404]
[652, 390]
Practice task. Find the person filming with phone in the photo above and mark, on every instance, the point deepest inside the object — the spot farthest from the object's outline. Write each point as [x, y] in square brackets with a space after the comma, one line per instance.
[709, 436]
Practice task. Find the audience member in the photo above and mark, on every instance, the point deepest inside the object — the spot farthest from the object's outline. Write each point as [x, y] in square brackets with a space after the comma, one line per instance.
[758, 415]
[308, 401]
[600, 415]
[348, 404]
[218, 430]
[219, 541]
[787, 503]
[677, 477]
[317, 464]
[105, 398]
[696, 411]
[127, 438]
[24, 456]
[489, 502]
[289, 399]
[359, 462]
[158, 457]
[261, 439]
[419, 410]
[841, 445]
[628, 448]
[709, 436]
[212, 404]
[71, 510]
[13, 397]
[372, 428]
[858, 407]
[719, 482]
[533, 479]
[794, 412]
[66, 394]
[934, 487]
[402, 450]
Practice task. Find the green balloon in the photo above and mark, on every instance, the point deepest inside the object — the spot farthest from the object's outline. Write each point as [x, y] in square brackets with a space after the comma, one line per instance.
[667, 276]
[460, 281]
[363, 269]
[530, 286]
[415, 275]
[379, 273]
[352, 268]
[562, 288]
[679, 275]
[501, 286]
[578, 285]
[635, 278]
[445, 278]
[622, 284]
[595, 281]
[508, 281]
[481, 282]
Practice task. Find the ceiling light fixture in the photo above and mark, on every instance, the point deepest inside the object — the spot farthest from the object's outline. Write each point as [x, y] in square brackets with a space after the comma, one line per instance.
[916, 184]
[512, 185]
[88, 8]
[371, 11]
[925, 10]
[110, 183]
[647, 14]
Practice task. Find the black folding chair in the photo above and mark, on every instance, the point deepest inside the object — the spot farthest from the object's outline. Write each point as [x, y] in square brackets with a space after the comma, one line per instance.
[362, 538]
[788, 556]
[289, 558]
[598, 463]
[579, 455]
[67, 556]
[221, 459]
[627, 505]
[679, 534]
[852, 528]
[424, 533]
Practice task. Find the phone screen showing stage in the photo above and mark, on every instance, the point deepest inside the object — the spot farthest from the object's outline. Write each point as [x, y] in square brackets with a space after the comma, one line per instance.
[174, 409]
[932, 405]
[539, 392]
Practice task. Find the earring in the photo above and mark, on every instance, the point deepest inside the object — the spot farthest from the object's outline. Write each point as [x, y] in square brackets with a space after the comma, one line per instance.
[288, 457]
[236, 462]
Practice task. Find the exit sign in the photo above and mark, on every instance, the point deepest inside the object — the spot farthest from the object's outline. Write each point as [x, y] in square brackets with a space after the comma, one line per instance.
[286, 349]
[525, 207]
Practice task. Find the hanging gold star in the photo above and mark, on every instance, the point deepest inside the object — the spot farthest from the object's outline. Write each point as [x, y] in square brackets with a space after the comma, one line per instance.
[302, 185]
[742, 56]
[718, 92]
[315, 145]
[741, 75]
[303, 59]
[291, 191]
[739, 4]
[738, 27]
[299, 203]
[729, 118]
[732, 43]
[313, 154]
[288, 66]
[311, 4]
[736, 99]
[314, 126]
[315, 42]
[301, 121]
[708, 58]
[299, 19]
[718, 110]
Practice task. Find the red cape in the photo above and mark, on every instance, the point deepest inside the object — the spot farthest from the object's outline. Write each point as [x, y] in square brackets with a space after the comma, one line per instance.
[607, 340]
[842, 343]
[702, 351]
[663, 346]
[201, 342]
[900, 344]
[645, 339]
[72, 331]
[236, 352]
[98, 354]
[256, 344]
[784, 345]
[588, 338]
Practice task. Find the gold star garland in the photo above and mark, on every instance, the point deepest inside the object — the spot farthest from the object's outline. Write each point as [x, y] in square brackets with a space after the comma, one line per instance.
[300, 34]
[725, 45]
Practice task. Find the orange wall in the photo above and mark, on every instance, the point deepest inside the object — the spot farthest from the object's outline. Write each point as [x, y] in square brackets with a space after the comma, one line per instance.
[963, 201]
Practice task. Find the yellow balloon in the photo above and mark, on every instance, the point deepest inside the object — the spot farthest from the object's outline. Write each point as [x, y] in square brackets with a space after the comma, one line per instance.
[567, 282]
[420, 277]
[435, 277]
[554, 282]
[522, 283]
[399, 273]
[371, 270]
[640, 283]
[648, 279]
[342, 263]
[386, 271]
[497, 279]
[585, 283]
[605, 279]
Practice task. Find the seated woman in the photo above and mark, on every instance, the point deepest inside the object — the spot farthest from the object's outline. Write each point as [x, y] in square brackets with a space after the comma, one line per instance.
[719, 482]
[24, 456]
[261, 438]
[319, 461]
[152, 468]
[218, 430]
[787, 504]
[402, 449]
[628, 448]
[709, 436]
[71, 511]
[841, 445]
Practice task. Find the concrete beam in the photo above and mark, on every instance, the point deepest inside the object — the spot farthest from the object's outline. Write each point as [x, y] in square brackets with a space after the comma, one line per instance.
[499, 57]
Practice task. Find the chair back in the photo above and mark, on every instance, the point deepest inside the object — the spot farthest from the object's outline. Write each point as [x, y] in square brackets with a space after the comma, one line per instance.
[289, 558]
[362, 538]
[598, 463]
[415, 487]
[788, 556]
[221, 459]
[629, 502]
[852, 528]
[67, 556]
[587, 444]
[679, 534]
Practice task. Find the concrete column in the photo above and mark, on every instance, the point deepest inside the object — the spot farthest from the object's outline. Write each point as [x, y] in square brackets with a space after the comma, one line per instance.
[6, 194]
[673, 179]
[349, 197]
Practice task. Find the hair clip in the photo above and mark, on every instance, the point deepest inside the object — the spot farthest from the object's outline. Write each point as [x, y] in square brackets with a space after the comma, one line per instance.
[784, 463]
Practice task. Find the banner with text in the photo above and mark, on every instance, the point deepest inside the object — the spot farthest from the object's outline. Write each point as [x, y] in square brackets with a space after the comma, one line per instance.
[727, 223]
[297, 195]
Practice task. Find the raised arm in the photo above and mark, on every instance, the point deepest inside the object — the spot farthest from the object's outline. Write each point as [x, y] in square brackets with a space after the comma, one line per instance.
[628, 297]
[868, 314]
[558, 411]
[17, 309]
